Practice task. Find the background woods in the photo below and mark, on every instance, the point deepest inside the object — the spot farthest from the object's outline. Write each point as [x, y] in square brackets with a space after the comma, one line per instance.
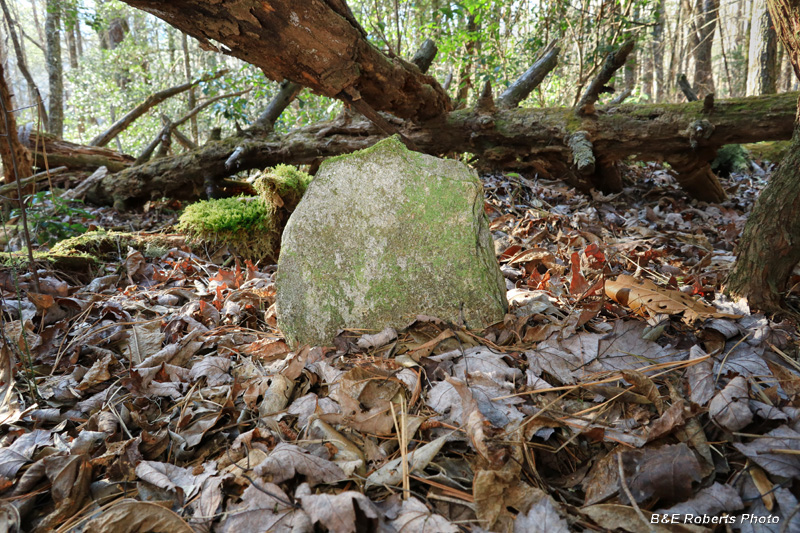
[92, 63]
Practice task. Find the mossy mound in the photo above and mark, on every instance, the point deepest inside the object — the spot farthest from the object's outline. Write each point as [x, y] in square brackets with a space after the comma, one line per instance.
[772, 151]
[245, 225]
[79, 263]
[250, 226]
[283, 185]
[111, 245]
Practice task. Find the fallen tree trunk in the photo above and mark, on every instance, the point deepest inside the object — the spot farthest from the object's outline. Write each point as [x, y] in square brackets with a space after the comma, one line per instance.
[58, 152]
[513, 139]
[318, 45]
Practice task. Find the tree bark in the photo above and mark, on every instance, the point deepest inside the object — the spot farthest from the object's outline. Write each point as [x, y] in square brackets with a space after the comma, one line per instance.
[770, 245]
[55, 69]
[16, 159]
[514, 139]
[762, 67]
[705, 24]
[22, 63]
[73, 156]
[659, 88]
[321, 46]
[187, 70]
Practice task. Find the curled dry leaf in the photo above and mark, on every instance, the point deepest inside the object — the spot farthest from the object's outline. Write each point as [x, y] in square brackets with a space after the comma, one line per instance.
[264, 508]
[542, 517]
[391, 473]
[646, 298]
[346, 512]
[415, 517]
[286, 461]
[730, 407]
[777, 452]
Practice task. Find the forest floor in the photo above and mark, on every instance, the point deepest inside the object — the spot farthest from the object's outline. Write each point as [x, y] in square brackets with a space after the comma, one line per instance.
[156, 394]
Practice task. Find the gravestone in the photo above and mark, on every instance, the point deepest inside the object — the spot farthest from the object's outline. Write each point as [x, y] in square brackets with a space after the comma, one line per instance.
[381, 236]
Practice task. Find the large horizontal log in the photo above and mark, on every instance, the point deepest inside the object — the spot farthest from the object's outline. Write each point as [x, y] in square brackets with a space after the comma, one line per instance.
[513, 139]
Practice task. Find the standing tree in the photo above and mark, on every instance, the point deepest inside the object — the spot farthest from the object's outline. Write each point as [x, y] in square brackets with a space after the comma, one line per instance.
[55, 69]
[762, 66]
[705, 22]
[770, 246]
[16, 159]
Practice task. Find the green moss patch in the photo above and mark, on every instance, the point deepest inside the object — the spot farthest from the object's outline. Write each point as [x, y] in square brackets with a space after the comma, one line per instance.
[772, 151]
[111, 245]
[250, 226]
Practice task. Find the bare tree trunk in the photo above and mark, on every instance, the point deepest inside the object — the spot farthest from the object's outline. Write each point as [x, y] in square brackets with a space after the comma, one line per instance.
[762, 67]
[659, 88]
[72, 45]
[55, 69]
[22, 63]
[16, 159]
[36, 22]
[187, 69]
[770, 245]
[465, 76]
[705, 24]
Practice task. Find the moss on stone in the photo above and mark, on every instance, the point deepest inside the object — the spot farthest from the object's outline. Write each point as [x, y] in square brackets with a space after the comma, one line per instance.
[382, 235]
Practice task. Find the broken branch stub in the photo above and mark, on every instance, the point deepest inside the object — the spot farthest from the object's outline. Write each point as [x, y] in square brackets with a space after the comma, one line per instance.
[532, 78]
[614, 61]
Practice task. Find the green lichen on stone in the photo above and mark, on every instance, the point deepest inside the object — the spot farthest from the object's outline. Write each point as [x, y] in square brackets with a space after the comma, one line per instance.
[382, 235]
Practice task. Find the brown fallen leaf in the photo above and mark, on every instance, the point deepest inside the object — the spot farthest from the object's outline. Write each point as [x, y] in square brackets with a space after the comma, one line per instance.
[730, 407]
[287, 461]
[624, 518]
[264, 508]
[130, 516]
[645, 298]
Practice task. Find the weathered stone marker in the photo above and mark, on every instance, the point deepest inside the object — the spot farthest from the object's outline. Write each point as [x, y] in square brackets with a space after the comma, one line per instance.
[382, 235]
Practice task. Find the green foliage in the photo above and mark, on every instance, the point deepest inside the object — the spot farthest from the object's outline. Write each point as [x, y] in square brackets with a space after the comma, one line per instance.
[730, 158]
[52, 219]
